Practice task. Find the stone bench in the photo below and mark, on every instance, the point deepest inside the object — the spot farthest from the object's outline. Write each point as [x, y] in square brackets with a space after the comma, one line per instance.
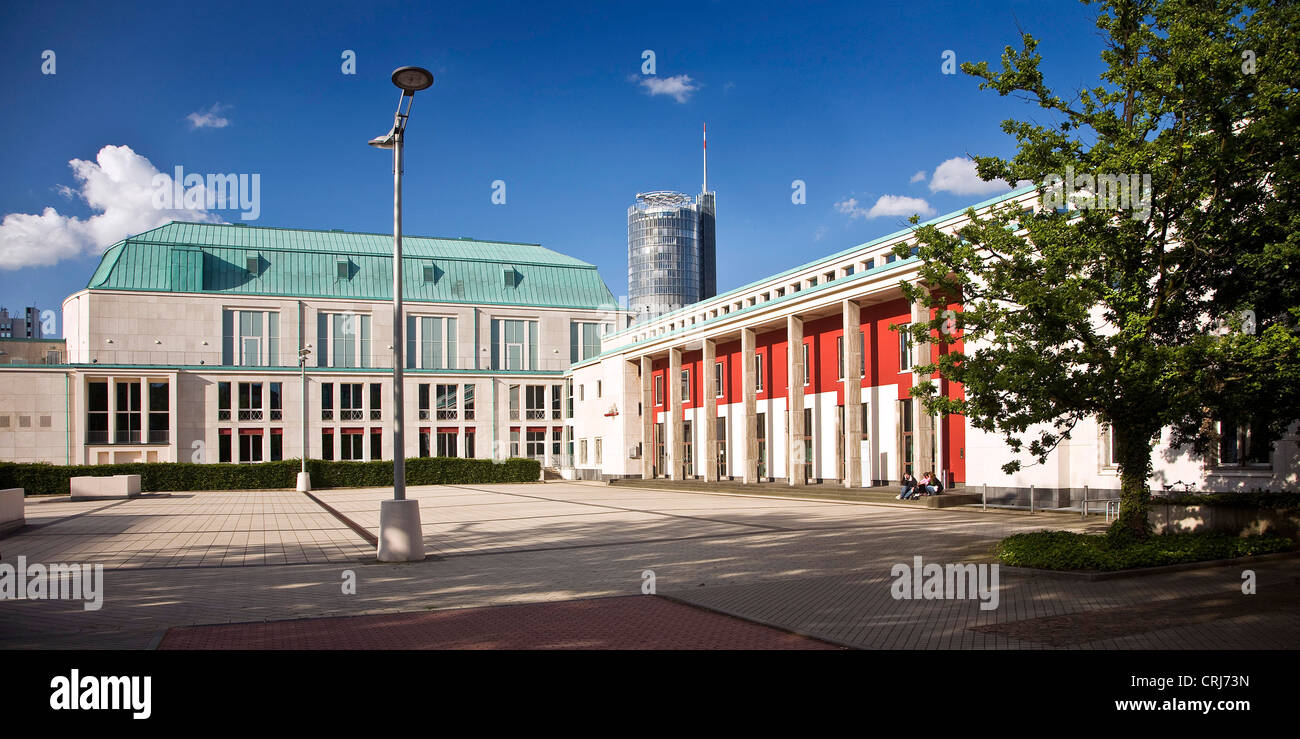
[11, 510]
[94, 488]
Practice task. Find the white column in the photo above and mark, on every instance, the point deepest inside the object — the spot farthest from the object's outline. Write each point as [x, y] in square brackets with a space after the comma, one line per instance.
[795, 457]
[647, 419]
[707, 411]
[674, 412]
[749, 396]
[852, 441]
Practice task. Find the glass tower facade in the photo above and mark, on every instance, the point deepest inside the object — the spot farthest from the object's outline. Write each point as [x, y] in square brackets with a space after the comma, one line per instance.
[671, 252]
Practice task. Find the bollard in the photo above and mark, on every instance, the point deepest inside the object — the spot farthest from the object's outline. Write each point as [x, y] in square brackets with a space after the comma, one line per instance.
[1084, 515]
[984, 506]
[1031, 498]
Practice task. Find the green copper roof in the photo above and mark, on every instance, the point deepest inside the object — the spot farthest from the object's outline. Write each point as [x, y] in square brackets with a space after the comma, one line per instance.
[247, 260]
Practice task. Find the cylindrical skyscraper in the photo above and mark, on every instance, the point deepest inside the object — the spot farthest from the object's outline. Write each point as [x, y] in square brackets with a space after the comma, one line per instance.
[663, 254]
[671, 250]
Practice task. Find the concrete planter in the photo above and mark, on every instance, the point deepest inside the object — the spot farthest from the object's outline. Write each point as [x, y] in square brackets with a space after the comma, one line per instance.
[1174, 519]
[11, 510]
[94, 488]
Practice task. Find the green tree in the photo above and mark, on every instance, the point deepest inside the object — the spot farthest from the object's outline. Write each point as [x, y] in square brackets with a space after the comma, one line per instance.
[1131, 304]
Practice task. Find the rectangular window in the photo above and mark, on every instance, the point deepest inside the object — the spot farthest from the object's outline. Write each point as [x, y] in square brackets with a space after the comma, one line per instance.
[597, 450]
[350, 402]
[584, 340]
[686, 386]
[599, 389]
[568, 393]
[437, 342]
[352, 445]
[446, 443]
[349, 334]
[469, 405]
[535, 402]
[327, 444]
[250, 445]
[862, 356]
[513, 394]
[555, 402]
[158, 415]
[719, 380]
[97, 412]
[128, 412]
[807, 371]
[250, 338]
[277, 401]
[469, 443]
[223, 401]
[423, 392]
[376, 444]
[250, 401]
[223, 447]
[758, 372]
[582, 451]
[866, 420]
[277, 445]
[376, 401]
[839, 358]
[514, 344]
[446, 398]
[659, 389]
[904, 348]
[1244, 442]
[514, 443]
[557, 438]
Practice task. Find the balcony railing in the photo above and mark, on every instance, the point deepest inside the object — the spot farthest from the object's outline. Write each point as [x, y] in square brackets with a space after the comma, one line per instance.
[447, 414]
[350, 415]
[376, 415]
[469, 414]
[536, 414]
[327, 414]
[424, 414]
[249, 414]
[276, 414]
[223, 414]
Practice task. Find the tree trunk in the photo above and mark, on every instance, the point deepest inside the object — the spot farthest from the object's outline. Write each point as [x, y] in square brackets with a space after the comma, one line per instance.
[1133, 450]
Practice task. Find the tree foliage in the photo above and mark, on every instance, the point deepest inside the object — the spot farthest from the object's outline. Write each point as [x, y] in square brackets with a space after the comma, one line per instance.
[1178, 308]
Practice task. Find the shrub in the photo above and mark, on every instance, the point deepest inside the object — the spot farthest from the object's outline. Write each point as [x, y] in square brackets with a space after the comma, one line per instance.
[41, 478]
[1068, 550]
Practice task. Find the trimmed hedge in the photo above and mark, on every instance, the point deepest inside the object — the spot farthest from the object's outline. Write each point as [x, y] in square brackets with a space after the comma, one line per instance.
[49, 479]
[1068, 550]
[1257, 499]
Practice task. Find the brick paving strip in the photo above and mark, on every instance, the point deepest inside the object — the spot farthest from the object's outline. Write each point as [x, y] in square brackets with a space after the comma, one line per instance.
[1109, 623]
[621, 622]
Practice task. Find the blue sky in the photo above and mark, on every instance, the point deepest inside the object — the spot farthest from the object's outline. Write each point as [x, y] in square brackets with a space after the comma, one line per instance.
[547, 97]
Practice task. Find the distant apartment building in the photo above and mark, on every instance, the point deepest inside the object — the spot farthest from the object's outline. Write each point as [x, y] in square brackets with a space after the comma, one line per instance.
[24, 325]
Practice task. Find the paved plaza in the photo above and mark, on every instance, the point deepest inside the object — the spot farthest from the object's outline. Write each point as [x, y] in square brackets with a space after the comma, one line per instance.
[812, 568]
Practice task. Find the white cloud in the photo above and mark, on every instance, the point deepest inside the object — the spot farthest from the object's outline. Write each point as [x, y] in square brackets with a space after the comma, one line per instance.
[209, 118]
[886, 205]
[820, 233]
[957, 176]
[918, 177]
[679, 86]
[119, 185]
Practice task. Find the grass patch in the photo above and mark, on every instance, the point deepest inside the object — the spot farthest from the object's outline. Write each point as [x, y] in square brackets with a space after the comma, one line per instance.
[1068, 550]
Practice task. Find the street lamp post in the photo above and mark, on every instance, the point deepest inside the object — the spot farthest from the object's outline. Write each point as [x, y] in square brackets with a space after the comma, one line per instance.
[400, 536]
[304, 479]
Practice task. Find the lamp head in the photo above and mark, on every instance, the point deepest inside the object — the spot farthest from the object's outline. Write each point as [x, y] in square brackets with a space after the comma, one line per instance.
[412, 79]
